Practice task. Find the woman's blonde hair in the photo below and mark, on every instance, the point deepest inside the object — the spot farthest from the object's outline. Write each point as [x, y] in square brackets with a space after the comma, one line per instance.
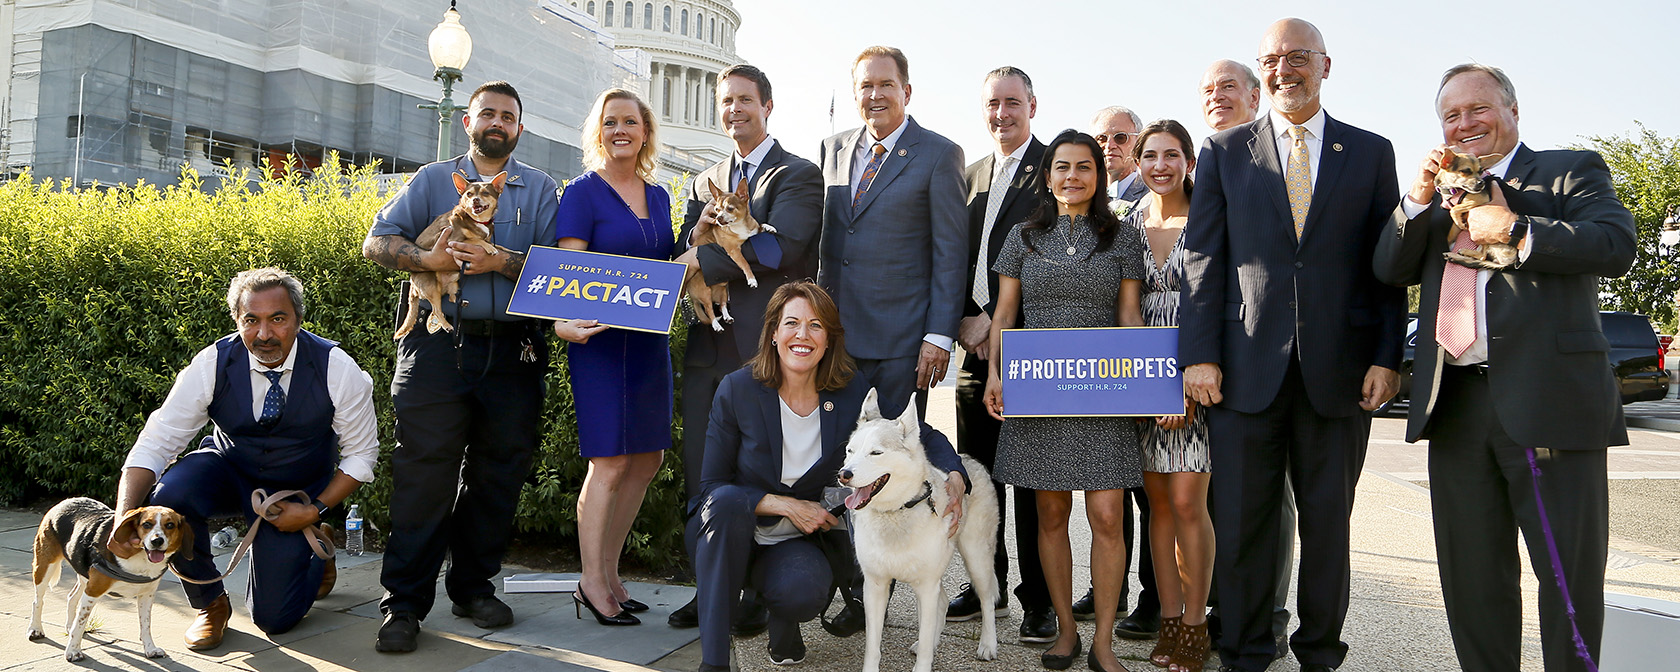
[595, 150]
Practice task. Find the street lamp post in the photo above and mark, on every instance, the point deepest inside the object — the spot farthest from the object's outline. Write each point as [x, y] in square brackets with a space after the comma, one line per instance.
[450, 47]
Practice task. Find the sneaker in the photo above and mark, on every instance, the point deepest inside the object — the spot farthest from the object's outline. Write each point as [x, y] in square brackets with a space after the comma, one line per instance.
[966, 606]
[1038, 626]
[399, 633]
[794, 656]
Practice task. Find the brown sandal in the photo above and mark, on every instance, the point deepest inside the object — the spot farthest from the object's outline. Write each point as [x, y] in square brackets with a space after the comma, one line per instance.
[1193, 650]
[1166, 648]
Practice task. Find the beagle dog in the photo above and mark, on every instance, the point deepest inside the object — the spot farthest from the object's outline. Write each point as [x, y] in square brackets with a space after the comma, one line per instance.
[79, 530]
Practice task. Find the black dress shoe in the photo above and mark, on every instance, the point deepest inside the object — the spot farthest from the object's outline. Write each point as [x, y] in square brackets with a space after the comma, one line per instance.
[1085, 608]
[1139, 625]
[1052, 661]
[1282, 647]
[848, 622]
[399, 634]
[708, 667]
[1038, 626]
[1317, 667]
[966, 605]
[686, 616]
[753, 620]
[485, 611]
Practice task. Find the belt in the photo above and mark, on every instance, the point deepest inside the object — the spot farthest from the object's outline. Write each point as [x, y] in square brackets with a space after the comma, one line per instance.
[1477, 369]
[489, 328]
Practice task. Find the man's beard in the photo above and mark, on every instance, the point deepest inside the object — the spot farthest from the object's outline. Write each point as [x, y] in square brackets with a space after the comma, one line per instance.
[494, 147]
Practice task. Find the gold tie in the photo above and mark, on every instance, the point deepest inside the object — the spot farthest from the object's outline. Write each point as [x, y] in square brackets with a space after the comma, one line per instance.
[1298, 178]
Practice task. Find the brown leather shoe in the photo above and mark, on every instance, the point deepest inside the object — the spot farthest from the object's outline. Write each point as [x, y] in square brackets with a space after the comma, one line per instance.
[330, 576]
[206, 631]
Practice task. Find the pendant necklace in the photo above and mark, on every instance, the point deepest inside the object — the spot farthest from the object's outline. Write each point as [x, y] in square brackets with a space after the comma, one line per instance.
[1068, 235]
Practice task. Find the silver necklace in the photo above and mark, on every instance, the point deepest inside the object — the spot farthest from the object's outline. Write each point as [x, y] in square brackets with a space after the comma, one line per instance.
[1068, 235]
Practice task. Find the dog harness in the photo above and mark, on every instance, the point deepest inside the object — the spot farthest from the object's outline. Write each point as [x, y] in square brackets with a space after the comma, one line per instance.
[927, 493]
[106, 568]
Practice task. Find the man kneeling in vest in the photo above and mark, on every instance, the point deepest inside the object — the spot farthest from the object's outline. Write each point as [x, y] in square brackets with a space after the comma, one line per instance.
[291, 411]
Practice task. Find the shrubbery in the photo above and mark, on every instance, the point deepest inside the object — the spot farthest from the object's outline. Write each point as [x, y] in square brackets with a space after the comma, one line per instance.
[106, 293]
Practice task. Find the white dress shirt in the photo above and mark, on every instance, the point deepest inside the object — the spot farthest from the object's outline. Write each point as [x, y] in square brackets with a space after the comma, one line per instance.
[1009, 178]
[1478, 350]
[801, 448]
[860, 161]
[1286, 142]
[187, 408]
[753, 159]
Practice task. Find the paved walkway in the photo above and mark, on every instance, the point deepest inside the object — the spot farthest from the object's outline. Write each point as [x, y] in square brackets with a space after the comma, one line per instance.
[1396, 619]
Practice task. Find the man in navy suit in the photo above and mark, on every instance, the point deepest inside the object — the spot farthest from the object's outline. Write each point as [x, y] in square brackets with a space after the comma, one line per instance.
[1290, 340]
[894, 243]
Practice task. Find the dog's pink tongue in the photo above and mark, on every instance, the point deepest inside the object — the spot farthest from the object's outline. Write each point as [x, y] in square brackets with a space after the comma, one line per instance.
[154, 556]
[859, 497]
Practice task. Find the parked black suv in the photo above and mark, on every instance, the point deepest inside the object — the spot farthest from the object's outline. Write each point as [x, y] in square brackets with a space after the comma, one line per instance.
[1634, 358]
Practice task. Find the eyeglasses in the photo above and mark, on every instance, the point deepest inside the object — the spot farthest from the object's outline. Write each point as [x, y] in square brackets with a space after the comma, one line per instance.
[1118, 138]
[1296, 59]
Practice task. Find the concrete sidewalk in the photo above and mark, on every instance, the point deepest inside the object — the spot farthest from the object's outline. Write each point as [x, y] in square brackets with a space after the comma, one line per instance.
[1396, 620]
[1663, 414]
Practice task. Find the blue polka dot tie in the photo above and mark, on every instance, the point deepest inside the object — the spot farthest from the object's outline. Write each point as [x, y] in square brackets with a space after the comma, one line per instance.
[274, 402]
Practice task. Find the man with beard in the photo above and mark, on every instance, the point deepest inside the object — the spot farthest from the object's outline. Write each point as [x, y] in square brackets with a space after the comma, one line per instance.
[1291, 359]
[468, 402]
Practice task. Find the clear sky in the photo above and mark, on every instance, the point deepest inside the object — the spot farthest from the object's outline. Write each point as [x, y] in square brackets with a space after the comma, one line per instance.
[1581, 68]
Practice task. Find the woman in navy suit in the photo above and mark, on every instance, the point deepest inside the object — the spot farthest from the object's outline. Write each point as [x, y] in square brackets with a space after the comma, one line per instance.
[776, 437]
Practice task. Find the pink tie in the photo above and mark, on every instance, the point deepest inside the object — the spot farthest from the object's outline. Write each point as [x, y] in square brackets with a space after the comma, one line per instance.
[1455, 323]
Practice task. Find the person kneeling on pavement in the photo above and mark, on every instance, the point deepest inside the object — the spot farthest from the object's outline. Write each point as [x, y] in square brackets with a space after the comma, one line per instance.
[283, 402]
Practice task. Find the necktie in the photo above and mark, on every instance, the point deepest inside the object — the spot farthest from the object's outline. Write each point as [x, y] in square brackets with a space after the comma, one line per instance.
[274, 402]
[745, 168]
[982, 292]
[1455, 322]
[869, 172]
[1298, 178]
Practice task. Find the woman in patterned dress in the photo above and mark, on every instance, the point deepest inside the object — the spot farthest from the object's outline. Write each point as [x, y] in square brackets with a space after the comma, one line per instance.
[1176, 462]
[1072, 264]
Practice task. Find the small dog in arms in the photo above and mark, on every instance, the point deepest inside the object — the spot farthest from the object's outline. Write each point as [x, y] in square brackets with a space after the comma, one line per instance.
[1462, 187]
[900, 533]
[78, 530]
[472, 221]
[735, 225]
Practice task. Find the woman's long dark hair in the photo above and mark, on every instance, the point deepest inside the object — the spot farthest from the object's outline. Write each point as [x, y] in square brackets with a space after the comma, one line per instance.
[1100, 217]
[1178, 132]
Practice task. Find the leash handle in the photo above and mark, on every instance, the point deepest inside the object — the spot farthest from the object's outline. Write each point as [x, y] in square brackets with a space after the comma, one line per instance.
[268, 506]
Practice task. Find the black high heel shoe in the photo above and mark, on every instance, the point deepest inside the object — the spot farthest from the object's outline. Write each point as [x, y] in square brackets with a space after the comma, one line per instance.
[1052, 661]
[633, 606]
[620, 618]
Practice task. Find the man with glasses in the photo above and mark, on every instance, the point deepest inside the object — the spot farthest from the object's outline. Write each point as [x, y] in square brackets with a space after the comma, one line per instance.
[1115, 128]
[1291, 205]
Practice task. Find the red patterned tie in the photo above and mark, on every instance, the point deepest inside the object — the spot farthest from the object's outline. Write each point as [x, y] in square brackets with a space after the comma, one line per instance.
[869, 172]
[1455, 323]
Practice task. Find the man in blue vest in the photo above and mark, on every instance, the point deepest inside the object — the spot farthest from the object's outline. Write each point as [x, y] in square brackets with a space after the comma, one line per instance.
[291, 411]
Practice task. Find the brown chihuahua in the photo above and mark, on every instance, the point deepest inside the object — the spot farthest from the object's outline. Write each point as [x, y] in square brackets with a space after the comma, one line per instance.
[1461, 178]
[735, 225]
[470, 222]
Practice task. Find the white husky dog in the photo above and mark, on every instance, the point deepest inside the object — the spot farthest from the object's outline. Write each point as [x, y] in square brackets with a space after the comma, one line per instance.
[901, 534]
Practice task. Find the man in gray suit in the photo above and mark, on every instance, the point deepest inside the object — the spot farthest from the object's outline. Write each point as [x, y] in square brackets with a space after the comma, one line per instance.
[894, 240]
[1116, 128]
[1512, 386]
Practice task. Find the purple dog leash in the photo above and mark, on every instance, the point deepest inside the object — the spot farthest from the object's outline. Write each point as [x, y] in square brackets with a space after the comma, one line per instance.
[1557, 567]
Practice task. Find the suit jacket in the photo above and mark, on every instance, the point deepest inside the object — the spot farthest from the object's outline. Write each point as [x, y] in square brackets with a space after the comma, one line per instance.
[1548, 366]
[785, 192]
[1018, 204]
[1254, 296]
[744, 441]
[895, 263]
[1134, 192]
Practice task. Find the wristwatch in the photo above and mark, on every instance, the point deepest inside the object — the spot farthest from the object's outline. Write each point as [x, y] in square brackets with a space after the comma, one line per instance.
[1519, 230]
[320, 508]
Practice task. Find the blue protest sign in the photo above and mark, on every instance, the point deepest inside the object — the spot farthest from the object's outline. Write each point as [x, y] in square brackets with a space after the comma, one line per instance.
[1130, 371]
[623, 292]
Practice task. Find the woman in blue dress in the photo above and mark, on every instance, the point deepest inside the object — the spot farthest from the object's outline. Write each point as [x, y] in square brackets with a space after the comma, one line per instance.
[621, 379]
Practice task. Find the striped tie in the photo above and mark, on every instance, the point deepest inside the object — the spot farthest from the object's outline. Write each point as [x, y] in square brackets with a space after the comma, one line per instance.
[982, 291]
[869, 172]
[1455, 322]
[1298, 178]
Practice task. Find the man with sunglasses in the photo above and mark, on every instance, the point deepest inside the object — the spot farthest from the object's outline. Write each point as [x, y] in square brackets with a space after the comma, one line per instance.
[1115, 128]
[1290, 341]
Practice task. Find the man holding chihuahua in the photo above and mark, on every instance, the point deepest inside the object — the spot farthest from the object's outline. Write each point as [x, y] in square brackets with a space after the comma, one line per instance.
[468, 402]
[1511, 384]
[284, 402]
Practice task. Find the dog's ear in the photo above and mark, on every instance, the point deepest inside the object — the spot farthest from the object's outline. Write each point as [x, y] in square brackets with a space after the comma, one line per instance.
[184, 532]
[741, 190]
[1489, 160]
[871, 407]
[909, 424]
[497, 182]
[460, 181]
[1449, 155]
[712, 187]
[119, 544]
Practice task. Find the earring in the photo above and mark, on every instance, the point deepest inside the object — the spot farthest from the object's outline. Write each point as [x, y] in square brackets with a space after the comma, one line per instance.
[772, 342]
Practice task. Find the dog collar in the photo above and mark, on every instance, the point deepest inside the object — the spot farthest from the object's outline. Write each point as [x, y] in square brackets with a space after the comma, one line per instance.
[927, 493]
[118, 573]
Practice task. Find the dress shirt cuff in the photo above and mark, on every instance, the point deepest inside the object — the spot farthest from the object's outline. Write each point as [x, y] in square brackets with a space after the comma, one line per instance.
[1525, 246]
[1412, 208]
[944, 342]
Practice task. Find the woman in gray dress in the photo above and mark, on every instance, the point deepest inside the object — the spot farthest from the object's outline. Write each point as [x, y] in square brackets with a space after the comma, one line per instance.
[1073, 264]
[1176, 461]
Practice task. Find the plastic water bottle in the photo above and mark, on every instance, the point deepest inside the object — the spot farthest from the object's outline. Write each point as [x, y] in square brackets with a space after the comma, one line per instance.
[224, 538]
[353, 531]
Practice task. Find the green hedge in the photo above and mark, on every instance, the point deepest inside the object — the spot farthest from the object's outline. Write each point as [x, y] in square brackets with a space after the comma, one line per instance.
[106, 293]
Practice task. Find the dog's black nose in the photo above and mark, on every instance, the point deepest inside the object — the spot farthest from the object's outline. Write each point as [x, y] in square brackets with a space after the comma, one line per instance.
[845, 475]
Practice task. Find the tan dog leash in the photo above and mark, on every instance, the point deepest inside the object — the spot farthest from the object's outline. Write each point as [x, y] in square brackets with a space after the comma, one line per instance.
[268, 507]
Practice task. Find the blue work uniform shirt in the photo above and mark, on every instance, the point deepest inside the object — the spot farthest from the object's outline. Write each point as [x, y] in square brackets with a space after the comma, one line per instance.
[524, 217]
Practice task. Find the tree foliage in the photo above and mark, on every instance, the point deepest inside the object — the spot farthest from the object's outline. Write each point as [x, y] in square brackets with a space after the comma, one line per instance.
[1645, 168]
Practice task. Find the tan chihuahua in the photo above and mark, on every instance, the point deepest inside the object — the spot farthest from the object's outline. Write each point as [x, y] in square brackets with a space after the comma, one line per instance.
[1461, 177]
[471, 221]
[735, 225]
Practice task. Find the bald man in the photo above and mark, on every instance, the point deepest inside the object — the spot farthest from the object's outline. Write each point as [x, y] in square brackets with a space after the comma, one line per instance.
[1291, 204]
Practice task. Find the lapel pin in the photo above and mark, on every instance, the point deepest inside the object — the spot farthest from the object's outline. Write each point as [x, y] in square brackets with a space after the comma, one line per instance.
[1336, 146]
[904, 152]
[828, 405]
[1027, 168]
